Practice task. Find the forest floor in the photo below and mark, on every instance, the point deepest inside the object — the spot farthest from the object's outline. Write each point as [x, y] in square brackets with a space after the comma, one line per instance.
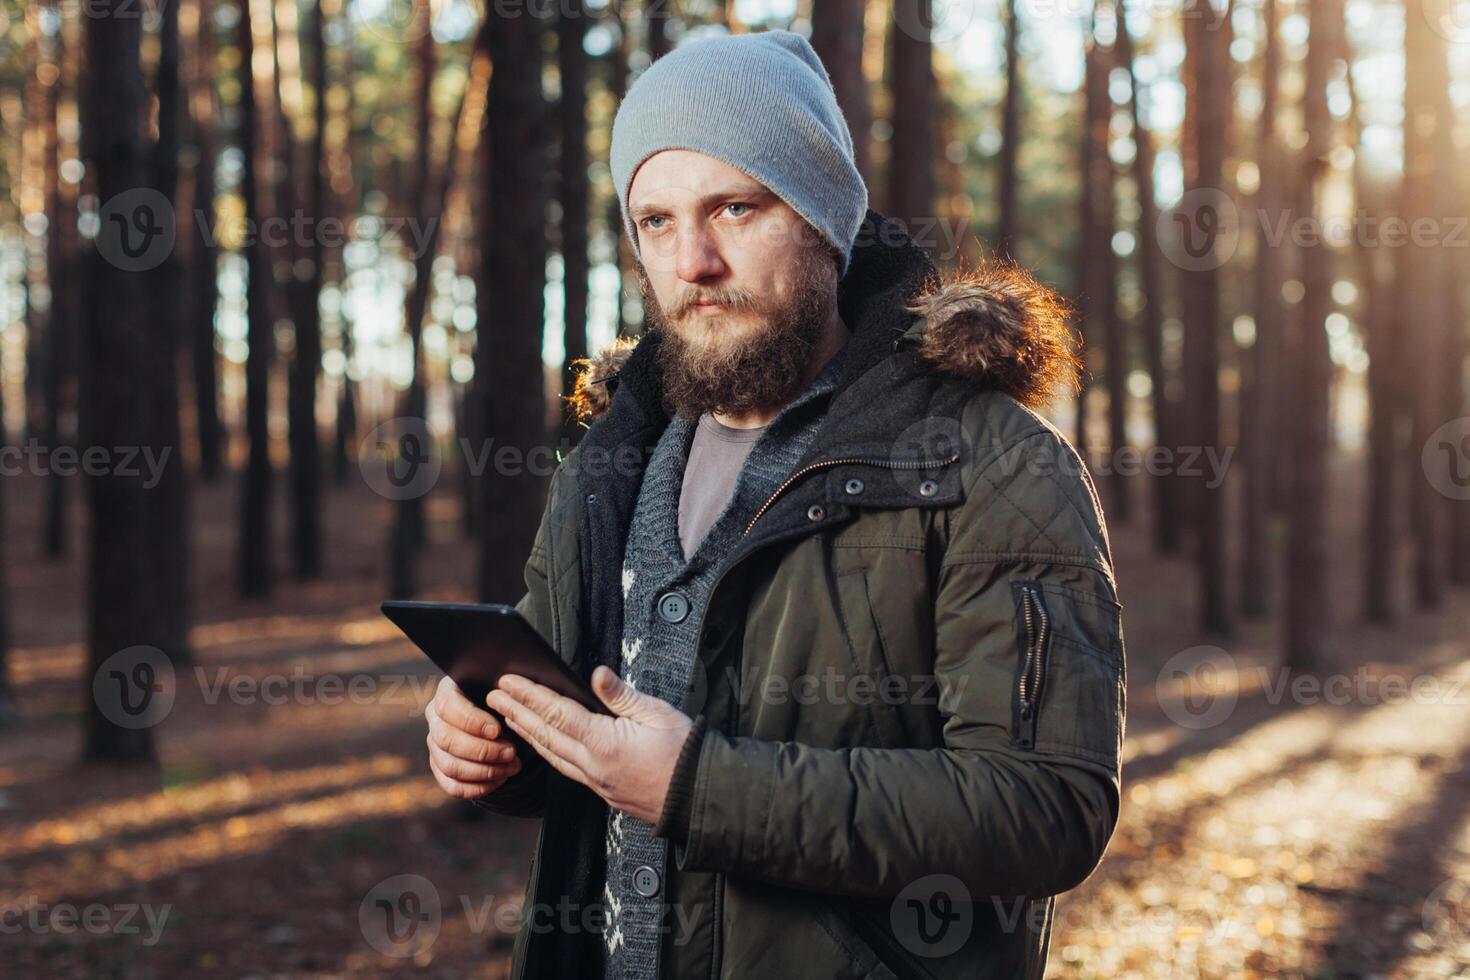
[1273, 828]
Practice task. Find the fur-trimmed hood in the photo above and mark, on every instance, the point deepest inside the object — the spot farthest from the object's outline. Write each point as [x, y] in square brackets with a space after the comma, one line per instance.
[995, 326]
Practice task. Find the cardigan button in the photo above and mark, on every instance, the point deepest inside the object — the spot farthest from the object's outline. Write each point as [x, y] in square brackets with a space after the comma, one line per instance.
[673, 607]
[645, 881]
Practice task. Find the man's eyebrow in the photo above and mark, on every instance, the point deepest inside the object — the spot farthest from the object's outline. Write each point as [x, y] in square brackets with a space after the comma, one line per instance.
[740, 190]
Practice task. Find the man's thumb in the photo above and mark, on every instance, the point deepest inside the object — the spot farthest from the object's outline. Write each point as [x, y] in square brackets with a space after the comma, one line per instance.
[619, 696]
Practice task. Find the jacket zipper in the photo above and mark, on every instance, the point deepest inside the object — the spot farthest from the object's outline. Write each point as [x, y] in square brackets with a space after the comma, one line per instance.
[1032, 680]
[714, 586]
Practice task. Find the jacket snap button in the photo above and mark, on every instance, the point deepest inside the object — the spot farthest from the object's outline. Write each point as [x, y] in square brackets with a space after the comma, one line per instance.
[592, 498]
[645, 881]
[928, 488]
[854, 486]
[673, 607]
[815, 512]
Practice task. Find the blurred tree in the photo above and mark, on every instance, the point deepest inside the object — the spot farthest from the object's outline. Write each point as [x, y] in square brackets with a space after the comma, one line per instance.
[168, 503]
[1260, 379]
[203, 274]
[255, 518]
[1386, 400]
[509, 376]
[61, 268]
[656, 26]
[1422, 302]
[617, 86]
[1007, 235]
[1307, 610]
[1115, 337]
[305, 287]
[116, 411]
[345, 202]
[1206, 44]
[1450, 201]
[408, 525]
[571, 56]
[1092, 228]
[433, 195]
[1152, 287]
[837, 37]
[7, 699]
[911, 82]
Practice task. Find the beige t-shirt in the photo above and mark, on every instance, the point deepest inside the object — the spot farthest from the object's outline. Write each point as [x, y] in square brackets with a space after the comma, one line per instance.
[717, 454]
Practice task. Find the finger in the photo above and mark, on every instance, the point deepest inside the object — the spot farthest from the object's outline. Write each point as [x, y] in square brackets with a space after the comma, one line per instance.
[451, 705]
[463, 745]
[619, 696]
[562, 765]
[565, 717]
[460, 790]
[471, 772]
[626, 701]
[549, 742]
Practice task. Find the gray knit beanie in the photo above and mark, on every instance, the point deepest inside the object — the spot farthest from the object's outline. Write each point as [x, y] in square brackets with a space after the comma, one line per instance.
[764, 104]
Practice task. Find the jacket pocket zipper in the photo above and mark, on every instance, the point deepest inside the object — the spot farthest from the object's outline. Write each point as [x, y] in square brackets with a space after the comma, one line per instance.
[1031, 682]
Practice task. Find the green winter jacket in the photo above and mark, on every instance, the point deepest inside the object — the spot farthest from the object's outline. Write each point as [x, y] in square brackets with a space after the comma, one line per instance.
[910, 680]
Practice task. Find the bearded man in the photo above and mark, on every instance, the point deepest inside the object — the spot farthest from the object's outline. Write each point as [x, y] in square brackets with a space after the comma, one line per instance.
[848, 598]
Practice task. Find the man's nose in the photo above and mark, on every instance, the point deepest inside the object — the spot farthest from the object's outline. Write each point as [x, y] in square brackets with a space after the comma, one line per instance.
[698, 259]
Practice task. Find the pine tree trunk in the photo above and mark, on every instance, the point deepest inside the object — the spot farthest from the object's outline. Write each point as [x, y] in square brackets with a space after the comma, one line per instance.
[837, 37]
[1008, 189]
[1091, 233]
[1422, 303]
[116, 410]
[255, 523]
[1260, 378]
[576, 261]
[1166, 523]
[169, 501]
[204, 256]
[61, 268]
[911, 79]
[1207, 46]
[1381, 535]
[1308, 613]
[306, 362]
[511, 315]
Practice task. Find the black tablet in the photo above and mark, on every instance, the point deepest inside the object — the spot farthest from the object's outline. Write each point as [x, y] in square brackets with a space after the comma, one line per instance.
[476, 644]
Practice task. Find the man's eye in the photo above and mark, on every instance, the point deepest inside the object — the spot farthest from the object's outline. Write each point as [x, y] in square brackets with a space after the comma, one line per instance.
[737, 204]
[652, 217]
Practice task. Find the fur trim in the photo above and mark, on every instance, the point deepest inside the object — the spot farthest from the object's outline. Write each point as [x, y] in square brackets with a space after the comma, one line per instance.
[994, 325]
[998, 326]
[590, 398]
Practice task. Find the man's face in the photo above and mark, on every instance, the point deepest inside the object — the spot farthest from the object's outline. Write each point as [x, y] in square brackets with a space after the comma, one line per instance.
[738, 283]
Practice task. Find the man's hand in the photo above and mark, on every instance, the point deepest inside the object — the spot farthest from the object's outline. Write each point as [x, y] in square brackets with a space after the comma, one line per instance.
[468, 757]
[628, 760]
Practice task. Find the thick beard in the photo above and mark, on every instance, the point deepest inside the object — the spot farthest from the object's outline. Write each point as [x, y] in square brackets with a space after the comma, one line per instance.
[762, 368]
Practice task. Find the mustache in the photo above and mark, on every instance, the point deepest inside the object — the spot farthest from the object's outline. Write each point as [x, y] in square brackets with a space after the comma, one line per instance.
[734, 300]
